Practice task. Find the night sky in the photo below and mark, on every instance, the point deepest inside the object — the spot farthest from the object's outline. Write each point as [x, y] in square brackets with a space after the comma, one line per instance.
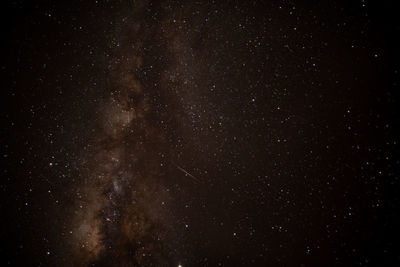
[200, 133]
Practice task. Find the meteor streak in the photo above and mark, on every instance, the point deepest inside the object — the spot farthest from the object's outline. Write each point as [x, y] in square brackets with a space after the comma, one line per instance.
[186, 172]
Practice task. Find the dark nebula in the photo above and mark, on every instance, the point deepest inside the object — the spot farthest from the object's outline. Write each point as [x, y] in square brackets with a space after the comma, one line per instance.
[200, 133]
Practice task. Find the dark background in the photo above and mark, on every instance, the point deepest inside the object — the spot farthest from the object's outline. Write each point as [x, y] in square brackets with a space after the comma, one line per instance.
[329, 194]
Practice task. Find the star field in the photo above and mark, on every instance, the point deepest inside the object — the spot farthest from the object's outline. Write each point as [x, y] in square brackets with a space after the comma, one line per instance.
[199, 133]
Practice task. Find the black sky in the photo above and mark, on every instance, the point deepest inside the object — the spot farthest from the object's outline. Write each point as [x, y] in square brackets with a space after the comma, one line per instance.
[199, 133]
